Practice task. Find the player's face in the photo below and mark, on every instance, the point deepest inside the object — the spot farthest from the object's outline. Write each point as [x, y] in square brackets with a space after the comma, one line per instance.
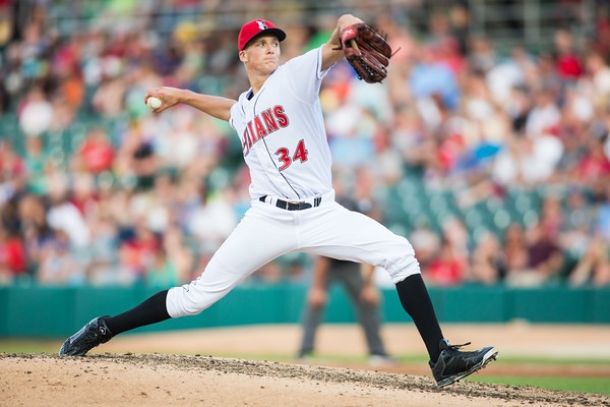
[263, 54]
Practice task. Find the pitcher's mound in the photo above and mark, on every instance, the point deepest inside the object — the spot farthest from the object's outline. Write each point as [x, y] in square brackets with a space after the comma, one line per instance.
[161, 380]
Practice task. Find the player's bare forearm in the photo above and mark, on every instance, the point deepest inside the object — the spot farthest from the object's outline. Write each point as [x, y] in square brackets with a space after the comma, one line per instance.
[216, 106]
[331, 51]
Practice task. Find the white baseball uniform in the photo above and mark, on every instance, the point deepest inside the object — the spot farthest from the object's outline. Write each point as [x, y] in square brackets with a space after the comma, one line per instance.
[293, 208]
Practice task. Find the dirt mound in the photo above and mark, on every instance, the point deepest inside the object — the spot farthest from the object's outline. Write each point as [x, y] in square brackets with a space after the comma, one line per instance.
[128, 379]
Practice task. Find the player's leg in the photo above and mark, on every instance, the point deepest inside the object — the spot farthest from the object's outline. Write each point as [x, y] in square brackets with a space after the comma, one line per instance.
[244, 251]
[333, 231]
[367, 313]
[336, 232]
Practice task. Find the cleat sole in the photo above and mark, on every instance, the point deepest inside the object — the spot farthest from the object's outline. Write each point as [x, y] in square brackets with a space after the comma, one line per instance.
[491, 354]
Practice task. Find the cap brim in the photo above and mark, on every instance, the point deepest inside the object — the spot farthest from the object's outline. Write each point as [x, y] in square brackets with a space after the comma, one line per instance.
[281, 35]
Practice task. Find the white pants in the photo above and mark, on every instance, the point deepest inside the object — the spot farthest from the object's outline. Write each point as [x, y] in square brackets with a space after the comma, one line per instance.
[267, 232]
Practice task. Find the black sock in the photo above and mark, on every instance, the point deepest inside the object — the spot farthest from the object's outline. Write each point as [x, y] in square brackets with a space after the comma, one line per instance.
[416, 301]
[148, 312]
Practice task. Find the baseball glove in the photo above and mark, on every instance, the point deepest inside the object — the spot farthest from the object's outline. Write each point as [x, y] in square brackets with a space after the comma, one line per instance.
[367, 51]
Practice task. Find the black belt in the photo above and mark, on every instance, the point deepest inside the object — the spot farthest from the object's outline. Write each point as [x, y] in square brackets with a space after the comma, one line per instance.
[293, 206]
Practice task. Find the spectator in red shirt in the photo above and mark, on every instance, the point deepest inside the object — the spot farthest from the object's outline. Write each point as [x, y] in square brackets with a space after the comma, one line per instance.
[568, 63]
[96, 154]
[594, 165]
[448, 268]
[138, 252]
[12, 257]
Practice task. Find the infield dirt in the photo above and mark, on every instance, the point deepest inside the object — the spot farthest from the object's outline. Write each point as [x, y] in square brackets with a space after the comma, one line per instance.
[147, 379]
[161, 380]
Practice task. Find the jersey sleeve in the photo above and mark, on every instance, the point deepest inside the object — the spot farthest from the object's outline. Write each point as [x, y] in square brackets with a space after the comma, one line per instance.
[304, 74]
[235, 114]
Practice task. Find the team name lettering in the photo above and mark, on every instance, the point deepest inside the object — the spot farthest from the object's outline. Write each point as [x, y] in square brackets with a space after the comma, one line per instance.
[269, 120]
[260, 130]
[263, 124]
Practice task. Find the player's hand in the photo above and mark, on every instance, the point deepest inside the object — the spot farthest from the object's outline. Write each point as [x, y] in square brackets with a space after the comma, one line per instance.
[169, 97]
[369, 295]
[317, 297]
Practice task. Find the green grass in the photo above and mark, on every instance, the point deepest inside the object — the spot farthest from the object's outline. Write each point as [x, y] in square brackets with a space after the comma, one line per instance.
[507, 360]
[29, 346]
[51, 346]
[599, 385]
[553, 361]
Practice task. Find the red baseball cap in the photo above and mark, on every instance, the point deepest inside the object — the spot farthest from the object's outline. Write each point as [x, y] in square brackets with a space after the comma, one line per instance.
[256, 27]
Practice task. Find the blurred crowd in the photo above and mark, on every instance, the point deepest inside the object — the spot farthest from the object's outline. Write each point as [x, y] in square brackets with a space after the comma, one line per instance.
[138, 198]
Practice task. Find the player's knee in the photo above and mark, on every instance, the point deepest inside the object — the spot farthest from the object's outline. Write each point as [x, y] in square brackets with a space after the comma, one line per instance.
[402, 262]
[194, 306]
[189, 300]
[404, 269]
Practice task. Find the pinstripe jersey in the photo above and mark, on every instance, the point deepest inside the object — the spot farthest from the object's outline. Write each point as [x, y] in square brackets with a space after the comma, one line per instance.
[282, 133]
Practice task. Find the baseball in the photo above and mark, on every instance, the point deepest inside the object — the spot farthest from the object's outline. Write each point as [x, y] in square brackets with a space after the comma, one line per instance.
[153, 102]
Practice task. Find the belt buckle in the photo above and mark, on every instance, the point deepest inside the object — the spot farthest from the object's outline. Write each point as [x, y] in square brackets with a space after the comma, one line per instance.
[294, 205]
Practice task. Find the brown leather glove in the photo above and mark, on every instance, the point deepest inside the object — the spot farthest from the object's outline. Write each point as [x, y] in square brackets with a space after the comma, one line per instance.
[367, 51]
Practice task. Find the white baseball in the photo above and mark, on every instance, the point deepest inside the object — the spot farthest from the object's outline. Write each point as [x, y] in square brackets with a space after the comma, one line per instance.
[153, 102]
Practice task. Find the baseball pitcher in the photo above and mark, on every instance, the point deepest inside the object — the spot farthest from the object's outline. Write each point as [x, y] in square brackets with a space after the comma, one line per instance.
[280, 125]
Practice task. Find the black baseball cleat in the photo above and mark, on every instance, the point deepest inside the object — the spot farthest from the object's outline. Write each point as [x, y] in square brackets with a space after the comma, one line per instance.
[87, 338]
[453, 364]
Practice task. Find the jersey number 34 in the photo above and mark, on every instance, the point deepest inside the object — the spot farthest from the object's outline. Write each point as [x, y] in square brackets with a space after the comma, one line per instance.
[300, 154]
